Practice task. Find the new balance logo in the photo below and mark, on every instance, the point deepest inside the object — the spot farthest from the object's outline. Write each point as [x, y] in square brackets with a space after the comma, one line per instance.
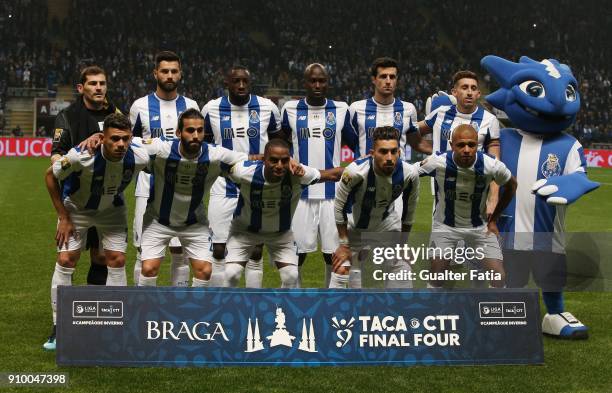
[371, 117]
[303, 117]
[226, 118]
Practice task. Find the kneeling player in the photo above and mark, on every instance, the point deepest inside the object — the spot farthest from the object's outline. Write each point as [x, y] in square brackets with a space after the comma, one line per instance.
[269, 194]
[92, 195]
[183, 170]
[370, 186]
[461, 181]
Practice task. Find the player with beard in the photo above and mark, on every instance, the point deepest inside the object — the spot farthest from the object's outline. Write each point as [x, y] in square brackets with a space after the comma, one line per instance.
[184, 170]
[155, 115]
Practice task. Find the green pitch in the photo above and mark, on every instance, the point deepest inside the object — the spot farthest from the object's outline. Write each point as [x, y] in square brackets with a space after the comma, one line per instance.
[28, 255]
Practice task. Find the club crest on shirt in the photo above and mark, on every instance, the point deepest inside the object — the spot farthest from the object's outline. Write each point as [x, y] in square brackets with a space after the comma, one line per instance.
[330, 119]
[329, 133]
[254, 117]
[398, 119]
[346, 178]
[65, 163]
[551, 167]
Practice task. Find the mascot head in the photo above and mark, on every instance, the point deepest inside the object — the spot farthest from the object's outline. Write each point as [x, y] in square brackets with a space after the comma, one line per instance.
[539, 97]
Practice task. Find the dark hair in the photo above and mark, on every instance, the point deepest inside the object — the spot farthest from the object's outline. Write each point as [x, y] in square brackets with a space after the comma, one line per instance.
[191, 113]
[117, 120]
[276, 142]
[382, 62]
[464, 74]
[236, 67]
[166, 55]
[91, 70]
[385, 133]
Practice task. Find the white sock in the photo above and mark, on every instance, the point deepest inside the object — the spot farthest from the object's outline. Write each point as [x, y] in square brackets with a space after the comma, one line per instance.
[179, 270]
[196, 282]
[147, 281]
[288, 276]
[354, 278]
[61, 276]
[298, 282]
[217, 277]
[233, 272]
[116, 277]
[253, 274]
[137, 268]
[338, 280]
[328, 274]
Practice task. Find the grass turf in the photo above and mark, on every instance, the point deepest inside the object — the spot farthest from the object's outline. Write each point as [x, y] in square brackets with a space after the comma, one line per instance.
[28, 255]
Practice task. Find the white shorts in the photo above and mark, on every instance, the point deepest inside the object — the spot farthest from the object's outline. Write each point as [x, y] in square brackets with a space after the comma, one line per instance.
[111, 225]
[220, 214]
[194, 238]
[281, 246]
[445, 237]
[139, 212]
[361, 241]
[314, 220]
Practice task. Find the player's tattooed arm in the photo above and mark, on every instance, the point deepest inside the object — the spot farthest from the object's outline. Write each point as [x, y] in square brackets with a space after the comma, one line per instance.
[65, 227]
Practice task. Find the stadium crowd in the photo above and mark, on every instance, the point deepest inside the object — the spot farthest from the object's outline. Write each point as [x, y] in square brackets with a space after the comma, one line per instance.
[276, 40]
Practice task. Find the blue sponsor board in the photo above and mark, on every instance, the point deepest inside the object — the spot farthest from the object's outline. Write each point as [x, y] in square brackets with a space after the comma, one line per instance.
[178, 327]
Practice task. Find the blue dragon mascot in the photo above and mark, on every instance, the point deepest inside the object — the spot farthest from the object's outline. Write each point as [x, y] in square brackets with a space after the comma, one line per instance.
[541, 99]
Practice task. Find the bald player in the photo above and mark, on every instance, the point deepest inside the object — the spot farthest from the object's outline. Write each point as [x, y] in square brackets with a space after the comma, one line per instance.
[462, 177]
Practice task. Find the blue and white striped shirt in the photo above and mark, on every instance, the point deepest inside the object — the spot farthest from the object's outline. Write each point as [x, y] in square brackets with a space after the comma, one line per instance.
[368, 114]
[529, 222]
[263, 206]
[445, 119]
[180, 184]
[461, 193]
[153, 117]
[91, 182]
[317, 133]
[371, 196]
[240, 128]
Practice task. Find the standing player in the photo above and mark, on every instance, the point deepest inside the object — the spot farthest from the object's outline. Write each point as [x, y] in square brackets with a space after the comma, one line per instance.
[317, 126]
[442, 120]
[384, 109]
[156, 115]
[461, 178]
[240, 121]
[73, 125]
[370, 186]
[269, 194]
[92, 195]
[184, 170]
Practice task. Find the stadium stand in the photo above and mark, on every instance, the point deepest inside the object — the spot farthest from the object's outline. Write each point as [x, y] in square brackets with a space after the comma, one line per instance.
[276, 40]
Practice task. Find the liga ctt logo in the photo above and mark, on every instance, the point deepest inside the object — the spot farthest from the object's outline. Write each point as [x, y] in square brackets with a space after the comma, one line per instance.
[280, 336]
